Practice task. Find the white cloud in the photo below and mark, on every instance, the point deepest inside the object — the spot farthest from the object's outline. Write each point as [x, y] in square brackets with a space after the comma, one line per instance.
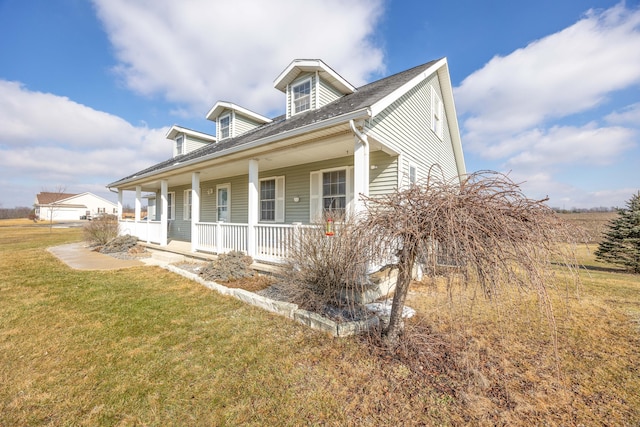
[630, 115]
[49, 140]
[562, 74]
[197, 52]
[586, 145]
[546, 111]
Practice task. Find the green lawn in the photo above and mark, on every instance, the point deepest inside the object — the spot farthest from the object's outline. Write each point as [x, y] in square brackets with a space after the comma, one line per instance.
[143, 346]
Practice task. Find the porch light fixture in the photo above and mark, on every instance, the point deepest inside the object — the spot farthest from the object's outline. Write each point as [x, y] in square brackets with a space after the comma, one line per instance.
[373, 167]
[296, 199]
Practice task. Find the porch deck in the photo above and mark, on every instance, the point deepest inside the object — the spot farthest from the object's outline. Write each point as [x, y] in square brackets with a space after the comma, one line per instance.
[183, 248]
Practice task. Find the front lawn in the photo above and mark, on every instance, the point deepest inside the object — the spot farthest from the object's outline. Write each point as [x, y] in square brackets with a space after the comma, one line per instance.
[144, 346]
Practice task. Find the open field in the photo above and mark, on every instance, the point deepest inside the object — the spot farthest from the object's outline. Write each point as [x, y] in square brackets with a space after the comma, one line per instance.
[143, 346]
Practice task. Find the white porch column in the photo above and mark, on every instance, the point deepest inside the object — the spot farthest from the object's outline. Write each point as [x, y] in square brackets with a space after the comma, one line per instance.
[164, 214]
[253, 206]
[138, 203]
[119, 204]
[195, 209]
[361, 171]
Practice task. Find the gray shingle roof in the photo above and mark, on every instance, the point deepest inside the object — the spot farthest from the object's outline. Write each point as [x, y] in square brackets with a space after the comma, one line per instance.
[364, 97]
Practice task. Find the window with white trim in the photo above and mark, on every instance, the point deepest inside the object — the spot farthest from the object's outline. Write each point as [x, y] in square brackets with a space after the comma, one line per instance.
[301, 97]
[171, 207]
[187, 207]
[268, 200]
[225, 126]
[334, 191]
[331, 192]
[437, 111]
[179, 145]
[272, 199]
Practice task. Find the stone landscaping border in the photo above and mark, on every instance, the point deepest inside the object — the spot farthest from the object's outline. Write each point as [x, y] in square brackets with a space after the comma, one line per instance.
[286, 309]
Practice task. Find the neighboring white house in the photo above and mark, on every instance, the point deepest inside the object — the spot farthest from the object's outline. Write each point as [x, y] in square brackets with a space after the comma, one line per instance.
[253, 180]
[64, 207]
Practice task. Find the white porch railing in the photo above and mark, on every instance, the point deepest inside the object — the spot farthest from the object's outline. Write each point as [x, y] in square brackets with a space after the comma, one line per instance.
[272, 241]
[148, 231]
[221, 237]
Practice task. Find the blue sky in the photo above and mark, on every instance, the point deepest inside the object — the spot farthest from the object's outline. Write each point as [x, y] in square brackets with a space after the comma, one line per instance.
[548, 91]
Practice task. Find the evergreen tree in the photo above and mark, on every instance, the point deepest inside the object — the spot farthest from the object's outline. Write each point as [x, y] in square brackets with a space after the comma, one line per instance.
[621, 243]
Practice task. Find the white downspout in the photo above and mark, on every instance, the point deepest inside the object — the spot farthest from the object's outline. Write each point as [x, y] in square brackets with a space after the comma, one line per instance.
[361, 167]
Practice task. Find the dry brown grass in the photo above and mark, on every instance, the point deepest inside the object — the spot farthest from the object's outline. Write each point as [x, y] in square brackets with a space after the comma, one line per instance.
[256, 283]
[146, 347]
[594, 223]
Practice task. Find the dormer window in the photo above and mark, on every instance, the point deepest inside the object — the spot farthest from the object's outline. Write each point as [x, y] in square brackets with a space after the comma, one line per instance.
[179, 145]
[301, 96]
[225, 127]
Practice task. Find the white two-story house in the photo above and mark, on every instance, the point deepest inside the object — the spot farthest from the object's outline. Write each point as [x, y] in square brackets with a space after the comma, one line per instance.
[249, 184]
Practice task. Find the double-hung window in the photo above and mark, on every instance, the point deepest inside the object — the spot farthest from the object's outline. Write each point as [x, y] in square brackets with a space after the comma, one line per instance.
[268, 200]
[334, 191]
[301, 96]
[225, 126]
[179, 145]
[272, 199]
[187, 203]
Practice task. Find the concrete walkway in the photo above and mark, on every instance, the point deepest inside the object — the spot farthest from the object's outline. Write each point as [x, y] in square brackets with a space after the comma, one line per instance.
[79, 257]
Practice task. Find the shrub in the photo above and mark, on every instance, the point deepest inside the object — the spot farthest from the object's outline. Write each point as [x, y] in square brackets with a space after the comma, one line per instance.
[328, 270]
[119, 244]
[101, 230]
[228, 267]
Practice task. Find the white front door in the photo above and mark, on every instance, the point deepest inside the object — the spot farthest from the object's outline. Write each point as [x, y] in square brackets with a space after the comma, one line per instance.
[224, 203]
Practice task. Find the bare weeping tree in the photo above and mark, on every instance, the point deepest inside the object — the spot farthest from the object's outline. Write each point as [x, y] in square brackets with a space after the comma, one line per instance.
[484, 226]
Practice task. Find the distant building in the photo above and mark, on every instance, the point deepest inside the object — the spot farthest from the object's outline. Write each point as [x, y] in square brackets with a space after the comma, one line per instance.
[63, 206]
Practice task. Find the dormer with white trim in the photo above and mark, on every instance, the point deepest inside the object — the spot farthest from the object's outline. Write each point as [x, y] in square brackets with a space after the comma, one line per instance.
[232, 120]
[310, 84]
[187, 140]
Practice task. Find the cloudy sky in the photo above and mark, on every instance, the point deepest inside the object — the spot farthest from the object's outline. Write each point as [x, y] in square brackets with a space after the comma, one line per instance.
[548, 91]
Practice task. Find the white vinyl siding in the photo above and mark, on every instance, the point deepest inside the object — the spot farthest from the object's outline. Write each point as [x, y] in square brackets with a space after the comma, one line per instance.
[242, 124]
[192, 144]
[327, 94]
[384, 178]
[407, 124]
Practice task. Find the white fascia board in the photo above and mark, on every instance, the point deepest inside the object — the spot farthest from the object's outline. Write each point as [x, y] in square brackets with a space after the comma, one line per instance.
[309, 65]
[452, 119]
[379, 106]
[220, 106]
[175, 130]
[363, 113]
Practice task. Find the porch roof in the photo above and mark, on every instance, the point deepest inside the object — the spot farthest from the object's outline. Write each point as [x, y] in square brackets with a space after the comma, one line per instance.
[354, 105]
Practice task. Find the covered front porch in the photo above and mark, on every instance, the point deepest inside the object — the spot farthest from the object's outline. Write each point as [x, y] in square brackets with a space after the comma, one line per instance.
[187, 194]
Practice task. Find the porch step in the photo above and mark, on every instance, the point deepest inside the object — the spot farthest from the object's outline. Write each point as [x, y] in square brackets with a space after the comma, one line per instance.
[168, 257]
